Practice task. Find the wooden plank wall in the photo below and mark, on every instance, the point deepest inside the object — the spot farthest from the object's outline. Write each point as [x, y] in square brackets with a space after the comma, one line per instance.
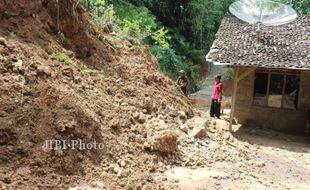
[280, 119]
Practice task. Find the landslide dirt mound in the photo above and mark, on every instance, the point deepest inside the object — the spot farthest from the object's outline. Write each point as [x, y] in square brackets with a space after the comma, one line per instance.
[76, 86]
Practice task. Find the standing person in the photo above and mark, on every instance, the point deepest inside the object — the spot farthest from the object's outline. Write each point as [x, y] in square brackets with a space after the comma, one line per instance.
[182, 82]
[216, 97]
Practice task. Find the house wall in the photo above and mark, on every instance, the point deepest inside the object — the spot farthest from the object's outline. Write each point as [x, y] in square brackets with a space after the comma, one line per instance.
[276, 118]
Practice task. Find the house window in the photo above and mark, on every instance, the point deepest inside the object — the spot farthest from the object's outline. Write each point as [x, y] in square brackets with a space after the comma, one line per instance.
[260, 89]
[276, 89]
[291, 94]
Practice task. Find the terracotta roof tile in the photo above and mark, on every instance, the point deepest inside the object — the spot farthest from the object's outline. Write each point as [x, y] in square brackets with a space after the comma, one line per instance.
[284, 46]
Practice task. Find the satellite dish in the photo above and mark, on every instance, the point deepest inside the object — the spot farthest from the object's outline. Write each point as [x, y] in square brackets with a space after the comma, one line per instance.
[266, 12]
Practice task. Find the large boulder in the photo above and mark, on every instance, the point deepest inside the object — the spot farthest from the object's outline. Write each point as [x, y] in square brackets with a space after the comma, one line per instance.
[196, 122]
[199, 132]
[195, 127]
[160, 137]
[164, 141]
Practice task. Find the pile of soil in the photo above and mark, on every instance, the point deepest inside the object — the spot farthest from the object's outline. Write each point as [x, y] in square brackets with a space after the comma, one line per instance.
[60, 81]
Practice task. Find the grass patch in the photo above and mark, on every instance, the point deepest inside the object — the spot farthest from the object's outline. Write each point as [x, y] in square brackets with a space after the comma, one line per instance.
[86, 71]
[13, 34]
[62, 57]
[61, 38]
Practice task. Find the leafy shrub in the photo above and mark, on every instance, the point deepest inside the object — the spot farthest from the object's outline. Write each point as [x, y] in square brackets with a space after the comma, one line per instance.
[140, 26]
[61, 37]
[229, 74]
[62, 57]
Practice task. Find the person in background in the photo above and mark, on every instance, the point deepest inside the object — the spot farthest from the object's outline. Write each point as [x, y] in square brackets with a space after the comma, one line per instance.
[216, 97]
[183, 82]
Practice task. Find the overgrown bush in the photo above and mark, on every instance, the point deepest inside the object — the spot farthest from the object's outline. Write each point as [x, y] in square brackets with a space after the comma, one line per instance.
[140, 26]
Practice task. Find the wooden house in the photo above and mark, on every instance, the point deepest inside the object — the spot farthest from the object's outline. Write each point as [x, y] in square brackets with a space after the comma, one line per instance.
[272, 72]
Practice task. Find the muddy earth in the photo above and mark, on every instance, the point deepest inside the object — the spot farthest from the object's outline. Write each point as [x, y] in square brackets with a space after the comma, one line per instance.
[252, 158]
[67, 80]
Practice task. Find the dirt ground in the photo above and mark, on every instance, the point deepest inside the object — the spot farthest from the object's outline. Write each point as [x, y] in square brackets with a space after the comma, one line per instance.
[253, 158]
[79, 84]
[84, 84]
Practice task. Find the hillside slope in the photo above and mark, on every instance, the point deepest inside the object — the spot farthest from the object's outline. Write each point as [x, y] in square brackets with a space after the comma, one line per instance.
[77, 84]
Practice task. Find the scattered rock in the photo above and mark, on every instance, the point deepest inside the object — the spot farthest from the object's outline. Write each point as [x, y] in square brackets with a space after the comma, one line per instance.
[184, 128]
[199, 132]
[3, 41]
[146, 145]
[163, 141]
[135, 115]
[123, 163]
[155, 124]
[117, 169]
[23, 171]
[142, 118]
[43, 71]
[77, 79]
[195, 122]
[213, 122]
[146, 187]
[227, 136]
[182, 115]
[67, 72]
[114, 123]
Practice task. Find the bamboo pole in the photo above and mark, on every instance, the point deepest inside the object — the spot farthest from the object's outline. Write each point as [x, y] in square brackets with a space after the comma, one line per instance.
[233, 105]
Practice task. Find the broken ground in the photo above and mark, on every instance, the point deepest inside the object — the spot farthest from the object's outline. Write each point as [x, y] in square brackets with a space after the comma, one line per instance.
[84, 84]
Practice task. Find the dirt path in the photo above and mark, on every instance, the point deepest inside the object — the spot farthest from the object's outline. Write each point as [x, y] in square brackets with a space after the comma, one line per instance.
[274, 161]
[255, 158]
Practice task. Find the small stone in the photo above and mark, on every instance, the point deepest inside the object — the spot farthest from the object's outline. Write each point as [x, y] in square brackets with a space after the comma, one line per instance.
[118, 80]
[119, 173]
[135, 115]
[123, 163]
[142, 118]
[146, 187]
[77, 79]
[184, 128]
[196, 122]
[182, 115]
[114, 124]
[3, 41]
[227, 136]
[164, 141]
[68, 72]
[43, 71]
[124, 104]
[116, 169]
[213, 122]
[146, 145]
[199, 132]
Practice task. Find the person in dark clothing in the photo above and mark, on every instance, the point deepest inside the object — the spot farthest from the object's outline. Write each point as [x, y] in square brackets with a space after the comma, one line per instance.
[183, 82]
[216, 97]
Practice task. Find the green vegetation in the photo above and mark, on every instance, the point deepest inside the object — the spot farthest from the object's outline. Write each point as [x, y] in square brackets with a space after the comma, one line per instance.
[61, 37]
[72, 62]
[301, 6]
[179, 33]
[13, 34]
[86, 71]
[1, 57]
[62, 57]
